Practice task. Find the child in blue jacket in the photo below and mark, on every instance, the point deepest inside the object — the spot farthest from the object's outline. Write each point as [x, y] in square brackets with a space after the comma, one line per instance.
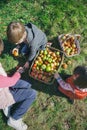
[33, 38]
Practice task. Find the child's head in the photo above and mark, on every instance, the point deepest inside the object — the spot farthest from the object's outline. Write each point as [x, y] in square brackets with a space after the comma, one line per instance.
[1, 46]
[81, 76]
[16, 32]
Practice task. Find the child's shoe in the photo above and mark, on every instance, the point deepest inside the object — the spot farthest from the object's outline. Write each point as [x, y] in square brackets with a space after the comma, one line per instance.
[71, 101]
[17, 124]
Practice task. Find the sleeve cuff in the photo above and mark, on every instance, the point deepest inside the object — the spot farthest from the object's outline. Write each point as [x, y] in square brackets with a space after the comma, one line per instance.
[59, 78]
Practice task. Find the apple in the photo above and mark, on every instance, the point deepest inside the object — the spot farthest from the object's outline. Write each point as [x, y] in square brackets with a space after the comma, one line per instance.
[45, 52]
[57, 64]
[15, 52]
[53, 54]
[69, 62]
[44, 58]
[49, 60]
[64, 37]
[72, 39]
[32, 73]
[68, 50]
[40, 63]
[64, 65]
[41, 52]
[43, 66]
[37, 68]
[58, 53]
[48, 55]
[39, 58]
[48, 69]
[36, 62]
[40, 76]
[59, 59]
[52, 64]
[50, 52]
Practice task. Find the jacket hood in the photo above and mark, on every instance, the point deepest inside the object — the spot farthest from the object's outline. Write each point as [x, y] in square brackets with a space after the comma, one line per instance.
[29, 34]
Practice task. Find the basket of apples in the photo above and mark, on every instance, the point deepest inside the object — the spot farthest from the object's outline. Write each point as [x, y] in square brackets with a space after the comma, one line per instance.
[45, 64]
[70, 44]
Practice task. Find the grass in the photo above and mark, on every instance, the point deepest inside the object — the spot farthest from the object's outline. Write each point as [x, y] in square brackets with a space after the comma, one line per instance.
[51, 110]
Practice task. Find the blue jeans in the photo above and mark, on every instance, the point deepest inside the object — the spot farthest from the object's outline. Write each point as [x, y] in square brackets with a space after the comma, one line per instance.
[24, 95]
[25, 50]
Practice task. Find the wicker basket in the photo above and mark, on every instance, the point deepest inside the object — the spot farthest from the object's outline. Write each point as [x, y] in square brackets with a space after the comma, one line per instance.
[48, 75]
[65, 37]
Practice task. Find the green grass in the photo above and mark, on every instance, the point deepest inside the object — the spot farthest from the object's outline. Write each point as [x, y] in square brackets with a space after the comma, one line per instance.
[51, 110]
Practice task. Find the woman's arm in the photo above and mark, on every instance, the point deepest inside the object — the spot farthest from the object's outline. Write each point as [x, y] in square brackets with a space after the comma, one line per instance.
[6, 81]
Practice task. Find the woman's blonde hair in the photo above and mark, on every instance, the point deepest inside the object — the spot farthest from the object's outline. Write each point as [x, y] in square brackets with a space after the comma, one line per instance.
[1, 45]
[15, 31]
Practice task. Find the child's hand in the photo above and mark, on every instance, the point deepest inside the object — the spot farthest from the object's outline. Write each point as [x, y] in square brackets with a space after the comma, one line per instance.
[20, 70]
[26, 66]
[56, 75]
[49, 44]
[15, 51]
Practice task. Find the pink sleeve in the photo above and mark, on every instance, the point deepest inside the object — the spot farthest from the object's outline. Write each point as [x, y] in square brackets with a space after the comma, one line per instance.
[9, 81]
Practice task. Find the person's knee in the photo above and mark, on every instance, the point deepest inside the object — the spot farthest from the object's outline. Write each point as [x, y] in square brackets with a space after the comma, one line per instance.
[31, 93]
[34, 93]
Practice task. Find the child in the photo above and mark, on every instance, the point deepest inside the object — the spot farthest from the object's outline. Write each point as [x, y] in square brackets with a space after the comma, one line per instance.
[75, 86]
[12, 91]
[29, 34]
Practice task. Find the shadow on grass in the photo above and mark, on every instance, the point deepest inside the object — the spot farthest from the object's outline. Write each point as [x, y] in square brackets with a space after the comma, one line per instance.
[4, 118]
[37, 85]
[8, 46]
[45, 88]
[40, 86]
[55, 42]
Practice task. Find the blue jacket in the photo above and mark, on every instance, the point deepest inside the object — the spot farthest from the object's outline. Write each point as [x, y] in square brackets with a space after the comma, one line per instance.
[36, 40]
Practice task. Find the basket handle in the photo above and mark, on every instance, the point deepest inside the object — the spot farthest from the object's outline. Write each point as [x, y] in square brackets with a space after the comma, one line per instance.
[77, 36]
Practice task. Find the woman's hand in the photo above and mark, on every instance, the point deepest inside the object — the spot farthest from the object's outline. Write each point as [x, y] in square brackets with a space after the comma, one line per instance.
[20, 70]
[26, 66]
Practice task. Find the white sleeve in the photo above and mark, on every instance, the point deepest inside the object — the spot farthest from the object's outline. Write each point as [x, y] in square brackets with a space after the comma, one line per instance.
[64, 85]
[84, 90]
[2, 71]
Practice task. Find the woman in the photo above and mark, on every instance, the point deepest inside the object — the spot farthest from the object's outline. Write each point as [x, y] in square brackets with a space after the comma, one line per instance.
[14, 90]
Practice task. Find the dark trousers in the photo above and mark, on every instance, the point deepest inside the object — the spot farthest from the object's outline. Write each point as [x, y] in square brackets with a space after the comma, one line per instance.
[24, 95]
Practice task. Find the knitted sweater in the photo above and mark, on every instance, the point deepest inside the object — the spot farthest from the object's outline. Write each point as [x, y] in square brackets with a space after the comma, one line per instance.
[6, 98]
